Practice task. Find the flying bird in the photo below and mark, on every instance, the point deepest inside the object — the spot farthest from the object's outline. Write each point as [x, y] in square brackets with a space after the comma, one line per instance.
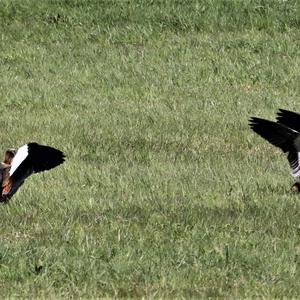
[284, 134]
[19, 164]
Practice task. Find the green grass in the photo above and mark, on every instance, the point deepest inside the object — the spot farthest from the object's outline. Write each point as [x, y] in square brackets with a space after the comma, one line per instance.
[165, 191]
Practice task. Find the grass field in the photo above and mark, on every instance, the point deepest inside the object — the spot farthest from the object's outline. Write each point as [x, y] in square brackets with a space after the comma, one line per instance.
[165, 191]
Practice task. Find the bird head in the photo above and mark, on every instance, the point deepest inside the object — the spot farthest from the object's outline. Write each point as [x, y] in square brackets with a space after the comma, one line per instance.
[296, 187]
[9, 155]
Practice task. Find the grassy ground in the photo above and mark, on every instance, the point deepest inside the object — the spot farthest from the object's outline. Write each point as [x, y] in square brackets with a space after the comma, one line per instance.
[166, 192]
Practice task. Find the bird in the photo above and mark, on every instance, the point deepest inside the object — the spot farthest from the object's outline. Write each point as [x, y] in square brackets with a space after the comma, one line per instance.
[19, 164]
[284, 134]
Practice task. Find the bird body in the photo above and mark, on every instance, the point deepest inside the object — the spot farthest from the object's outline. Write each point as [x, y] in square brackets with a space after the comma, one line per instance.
[29, 159]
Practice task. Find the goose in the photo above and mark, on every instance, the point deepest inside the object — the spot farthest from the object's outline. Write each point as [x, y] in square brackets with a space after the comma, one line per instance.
[19, 164]
[284, 134]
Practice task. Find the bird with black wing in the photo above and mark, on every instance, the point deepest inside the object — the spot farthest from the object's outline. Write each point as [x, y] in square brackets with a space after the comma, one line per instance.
[19, 164]
[284, 134]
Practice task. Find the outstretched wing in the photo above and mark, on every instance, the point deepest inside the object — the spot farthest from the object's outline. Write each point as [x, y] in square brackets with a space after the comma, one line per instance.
[286, 139]
[276, 134]
[289, 119]
[35, 158]
[31, 158]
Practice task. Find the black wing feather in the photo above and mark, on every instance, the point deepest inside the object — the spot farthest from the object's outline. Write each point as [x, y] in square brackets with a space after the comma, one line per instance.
[275, 133]
[44, 158]
[280, 136]
[40, 158]
[289, 119]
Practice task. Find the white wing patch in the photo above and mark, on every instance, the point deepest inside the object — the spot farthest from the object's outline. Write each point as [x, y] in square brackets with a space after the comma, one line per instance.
[22, 153]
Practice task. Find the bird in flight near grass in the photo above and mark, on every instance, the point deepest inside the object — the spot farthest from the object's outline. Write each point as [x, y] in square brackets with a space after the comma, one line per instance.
[19, 164]
[284, 134]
